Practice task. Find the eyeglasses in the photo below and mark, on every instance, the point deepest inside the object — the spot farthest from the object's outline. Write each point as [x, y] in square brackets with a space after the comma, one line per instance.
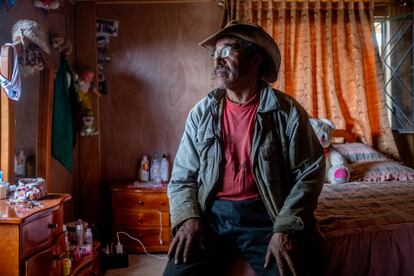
[224, 52]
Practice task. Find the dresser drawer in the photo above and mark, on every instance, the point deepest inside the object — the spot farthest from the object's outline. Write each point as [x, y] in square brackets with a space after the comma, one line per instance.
[149, 236]
[42, 231]
[48, 260]
[130, 200]
[136, 218]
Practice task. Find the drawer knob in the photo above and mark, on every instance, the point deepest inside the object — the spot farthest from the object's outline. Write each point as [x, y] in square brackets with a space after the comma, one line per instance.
[140, 202]
[52, 225]
[140, 220]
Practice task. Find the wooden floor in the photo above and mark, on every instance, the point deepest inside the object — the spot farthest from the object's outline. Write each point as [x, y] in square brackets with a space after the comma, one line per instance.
[141, 265]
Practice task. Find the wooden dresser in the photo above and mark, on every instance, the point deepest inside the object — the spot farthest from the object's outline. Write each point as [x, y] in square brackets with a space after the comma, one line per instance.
[142, 211]
[31, 240]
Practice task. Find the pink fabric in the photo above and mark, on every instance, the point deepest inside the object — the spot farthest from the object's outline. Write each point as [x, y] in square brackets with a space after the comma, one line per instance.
[388, 252]
[358, 152]
[381, 171]
[368, 228]
[237, 132]
[341, 173]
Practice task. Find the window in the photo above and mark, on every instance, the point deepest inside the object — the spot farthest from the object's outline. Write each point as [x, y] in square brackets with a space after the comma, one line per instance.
[395, 41]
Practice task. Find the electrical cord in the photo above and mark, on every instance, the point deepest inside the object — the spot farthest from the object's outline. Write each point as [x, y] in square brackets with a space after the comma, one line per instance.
[135, 239]
[160, 235]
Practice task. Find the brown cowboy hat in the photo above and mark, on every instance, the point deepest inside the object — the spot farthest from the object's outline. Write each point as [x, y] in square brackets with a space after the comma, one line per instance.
[255, 34]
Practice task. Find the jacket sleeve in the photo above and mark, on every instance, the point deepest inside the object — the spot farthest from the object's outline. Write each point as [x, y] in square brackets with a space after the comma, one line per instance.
[307, 172]
[182, 189]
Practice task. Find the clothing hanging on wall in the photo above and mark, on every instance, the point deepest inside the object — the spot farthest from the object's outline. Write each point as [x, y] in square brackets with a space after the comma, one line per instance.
[62, 120]
[12, 87]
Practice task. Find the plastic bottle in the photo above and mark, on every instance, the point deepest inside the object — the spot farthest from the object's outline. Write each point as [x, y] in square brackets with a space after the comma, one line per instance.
[66, 261]
[155, 168]
[144, 169]
[79, 232]
[165, 169]
[3, 187]
[88, 236]
[65, 231]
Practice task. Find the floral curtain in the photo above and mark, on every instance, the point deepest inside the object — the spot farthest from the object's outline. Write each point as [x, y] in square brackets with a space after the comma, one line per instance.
[329, 61]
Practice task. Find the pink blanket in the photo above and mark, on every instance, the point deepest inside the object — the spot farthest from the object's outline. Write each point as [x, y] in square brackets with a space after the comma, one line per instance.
[368, 228]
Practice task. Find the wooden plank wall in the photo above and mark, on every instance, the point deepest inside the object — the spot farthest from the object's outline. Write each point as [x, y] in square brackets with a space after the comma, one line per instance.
[88, 186]
[157, 73]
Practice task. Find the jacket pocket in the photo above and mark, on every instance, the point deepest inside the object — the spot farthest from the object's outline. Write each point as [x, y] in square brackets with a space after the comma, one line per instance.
[203, 153]
[202, 147]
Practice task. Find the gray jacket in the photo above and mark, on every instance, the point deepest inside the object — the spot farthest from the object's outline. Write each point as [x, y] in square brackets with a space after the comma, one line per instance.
[288, 162]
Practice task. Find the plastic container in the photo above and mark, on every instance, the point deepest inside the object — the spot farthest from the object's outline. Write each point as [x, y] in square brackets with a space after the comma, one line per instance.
[79, 232]
[155, 172]
[3, 187]
[144, 169]
[88, 236]
[165, 169]
[71, 228]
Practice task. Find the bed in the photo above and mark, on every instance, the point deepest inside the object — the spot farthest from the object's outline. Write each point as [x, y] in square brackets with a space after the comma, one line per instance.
[368, 223]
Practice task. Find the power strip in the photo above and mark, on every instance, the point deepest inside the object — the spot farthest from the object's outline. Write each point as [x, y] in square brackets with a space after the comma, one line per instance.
[114, 260]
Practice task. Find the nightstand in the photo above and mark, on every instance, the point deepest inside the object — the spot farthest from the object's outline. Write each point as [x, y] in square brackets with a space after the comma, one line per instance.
[142, 211]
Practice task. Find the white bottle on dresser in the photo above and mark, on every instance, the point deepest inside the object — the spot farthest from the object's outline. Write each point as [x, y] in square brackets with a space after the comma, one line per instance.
[165, 169]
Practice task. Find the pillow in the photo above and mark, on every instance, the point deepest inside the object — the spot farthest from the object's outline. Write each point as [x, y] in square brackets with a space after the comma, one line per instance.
[358, 152]
[380, 171]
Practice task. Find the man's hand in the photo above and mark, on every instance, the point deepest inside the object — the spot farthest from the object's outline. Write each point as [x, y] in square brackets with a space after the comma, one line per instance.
[188, 235]
[287, 252]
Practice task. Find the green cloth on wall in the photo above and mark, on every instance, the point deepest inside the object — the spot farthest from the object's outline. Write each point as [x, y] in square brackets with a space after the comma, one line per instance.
[62, 119]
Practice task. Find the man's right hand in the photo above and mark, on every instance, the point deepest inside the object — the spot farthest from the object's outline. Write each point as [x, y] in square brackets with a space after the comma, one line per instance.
[188, 235]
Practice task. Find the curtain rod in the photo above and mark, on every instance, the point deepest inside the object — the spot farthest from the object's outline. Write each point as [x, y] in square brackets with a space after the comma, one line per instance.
[311, 1]
[219, 2]
[104, 2]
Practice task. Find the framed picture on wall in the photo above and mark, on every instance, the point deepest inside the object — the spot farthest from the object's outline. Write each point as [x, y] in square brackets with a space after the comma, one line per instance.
[106, 27]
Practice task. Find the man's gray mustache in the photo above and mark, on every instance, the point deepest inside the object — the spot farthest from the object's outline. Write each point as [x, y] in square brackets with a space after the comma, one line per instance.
[221, 69]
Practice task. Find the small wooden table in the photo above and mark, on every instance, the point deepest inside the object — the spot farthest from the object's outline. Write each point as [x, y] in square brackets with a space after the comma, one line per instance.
[142, 211]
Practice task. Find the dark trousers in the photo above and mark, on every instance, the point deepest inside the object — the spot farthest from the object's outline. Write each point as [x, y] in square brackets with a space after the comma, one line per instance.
[232, 228]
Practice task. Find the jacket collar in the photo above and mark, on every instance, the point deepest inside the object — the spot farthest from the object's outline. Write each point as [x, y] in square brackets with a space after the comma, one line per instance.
[216, 95]
[268, 98]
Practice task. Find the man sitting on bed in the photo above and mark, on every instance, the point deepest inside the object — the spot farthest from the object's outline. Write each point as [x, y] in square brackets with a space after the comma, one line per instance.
[249, 168]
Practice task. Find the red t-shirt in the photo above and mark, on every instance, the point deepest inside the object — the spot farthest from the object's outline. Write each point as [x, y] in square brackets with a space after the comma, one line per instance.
[237, 133]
